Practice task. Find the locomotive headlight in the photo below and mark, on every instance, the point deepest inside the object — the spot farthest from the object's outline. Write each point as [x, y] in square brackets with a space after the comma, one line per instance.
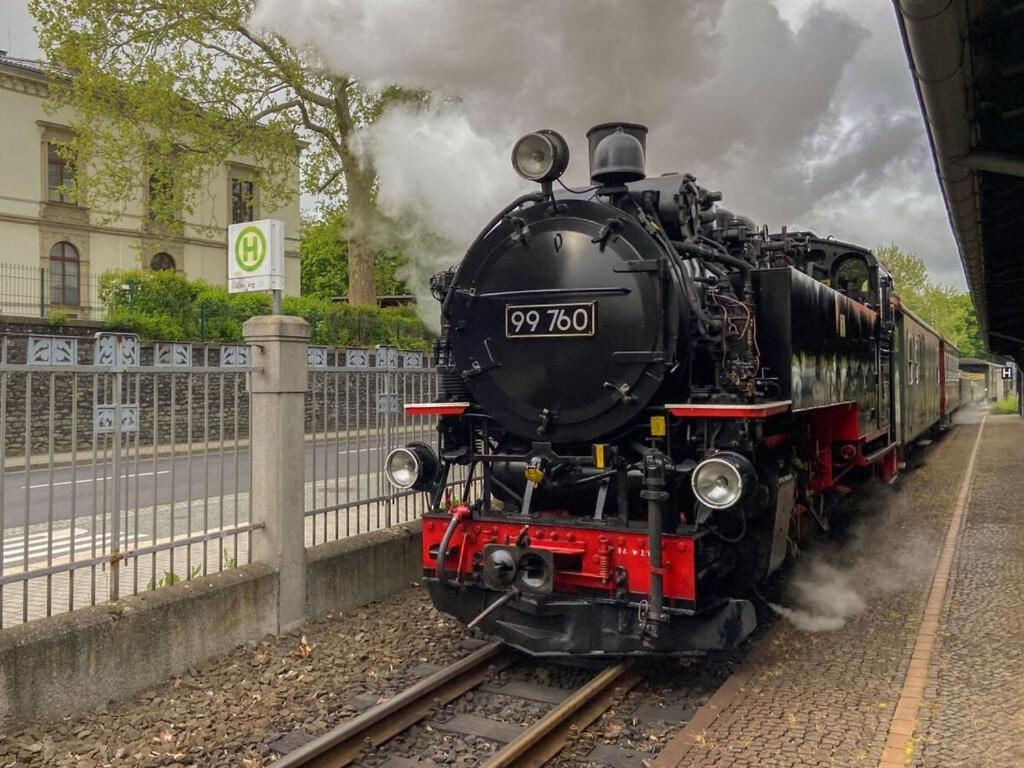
[722, 480]
[413, 466]
[540, 156]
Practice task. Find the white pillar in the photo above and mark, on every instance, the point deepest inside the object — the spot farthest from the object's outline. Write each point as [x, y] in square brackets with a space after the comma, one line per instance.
[277, 387]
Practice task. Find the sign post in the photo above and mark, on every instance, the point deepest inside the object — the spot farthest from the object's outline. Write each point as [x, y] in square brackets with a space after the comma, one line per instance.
[256, 258]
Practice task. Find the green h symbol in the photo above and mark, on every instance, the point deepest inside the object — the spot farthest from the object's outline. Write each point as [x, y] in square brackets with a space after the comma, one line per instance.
[250, 249]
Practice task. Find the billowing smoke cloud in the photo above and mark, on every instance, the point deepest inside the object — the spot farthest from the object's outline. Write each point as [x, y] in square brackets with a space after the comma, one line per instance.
[440, 181]
[765, 106]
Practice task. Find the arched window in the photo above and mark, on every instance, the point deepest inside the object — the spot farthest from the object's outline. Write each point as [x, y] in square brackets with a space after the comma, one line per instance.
[64, 275]
[161, 261]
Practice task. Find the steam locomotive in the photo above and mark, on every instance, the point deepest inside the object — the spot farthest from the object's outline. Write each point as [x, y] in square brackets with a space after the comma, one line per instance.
[651, 400]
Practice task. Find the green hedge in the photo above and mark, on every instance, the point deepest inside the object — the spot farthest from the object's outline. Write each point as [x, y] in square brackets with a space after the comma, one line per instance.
[165, 305]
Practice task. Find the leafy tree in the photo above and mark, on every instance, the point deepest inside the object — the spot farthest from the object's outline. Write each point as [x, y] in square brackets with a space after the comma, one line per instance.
[324, 251]
[909, 273]
[387, 267]
[164, 92]
[947, 310]
[324, 255]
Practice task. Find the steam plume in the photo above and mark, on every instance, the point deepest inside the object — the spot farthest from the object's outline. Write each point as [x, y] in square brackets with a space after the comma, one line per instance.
[883, 552]
[825, 597]
[756, 105]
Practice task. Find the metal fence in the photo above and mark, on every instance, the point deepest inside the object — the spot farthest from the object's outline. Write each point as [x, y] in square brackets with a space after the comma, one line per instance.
[354, 417]
[27, 291]
[126, 466]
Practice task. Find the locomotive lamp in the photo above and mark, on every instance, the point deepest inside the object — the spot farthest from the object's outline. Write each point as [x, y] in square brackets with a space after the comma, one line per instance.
[722, 480]
[411, 467]
[541, 156]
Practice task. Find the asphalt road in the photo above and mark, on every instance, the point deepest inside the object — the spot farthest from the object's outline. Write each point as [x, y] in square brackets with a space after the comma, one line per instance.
[81, 490]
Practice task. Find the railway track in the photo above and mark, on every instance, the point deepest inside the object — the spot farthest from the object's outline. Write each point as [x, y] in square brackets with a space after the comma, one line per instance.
[533, 746]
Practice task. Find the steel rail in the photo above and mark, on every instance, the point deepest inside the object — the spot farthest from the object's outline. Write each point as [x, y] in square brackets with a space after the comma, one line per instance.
[342, 745]
[548, 736]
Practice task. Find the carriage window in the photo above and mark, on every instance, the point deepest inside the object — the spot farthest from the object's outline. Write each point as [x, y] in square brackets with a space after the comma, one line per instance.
[914, 359]
[917, 359]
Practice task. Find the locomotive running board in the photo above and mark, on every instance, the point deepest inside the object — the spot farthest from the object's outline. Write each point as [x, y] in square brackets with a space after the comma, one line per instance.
[436, 409]
[728, 410]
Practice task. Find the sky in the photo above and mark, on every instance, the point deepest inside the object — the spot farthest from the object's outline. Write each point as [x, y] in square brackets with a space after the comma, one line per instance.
[802, 112]
[16, 35]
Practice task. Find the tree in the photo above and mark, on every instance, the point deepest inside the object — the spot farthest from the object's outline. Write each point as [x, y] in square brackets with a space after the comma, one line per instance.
[947, 310]
[909, 273]
[324, 263]
[166, 90]
[324, 252]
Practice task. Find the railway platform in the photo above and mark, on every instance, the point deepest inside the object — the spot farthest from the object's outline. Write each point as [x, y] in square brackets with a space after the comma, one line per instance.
[928, 667]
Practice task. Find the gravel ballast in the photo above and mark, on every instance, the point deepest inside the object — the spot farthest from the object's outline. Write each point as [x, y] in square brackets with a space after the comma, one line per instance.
[229, 710]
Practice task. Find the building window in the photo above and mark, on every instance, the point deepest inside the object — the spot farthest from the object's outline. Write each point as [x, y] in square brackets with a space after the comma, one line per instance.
[159, 194]
[60, 175]
[64, 275]
[242, 196]
[161, 262]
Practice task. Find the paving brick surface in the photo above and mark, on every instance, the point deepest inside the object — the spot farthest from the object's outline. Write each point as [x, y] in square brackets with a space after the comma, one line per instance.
[972, 711]
[827, 698]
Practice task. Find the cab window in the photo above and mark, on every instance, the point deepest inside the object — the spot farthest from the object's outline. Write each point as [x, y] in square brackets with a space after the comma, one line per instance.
[852, 277]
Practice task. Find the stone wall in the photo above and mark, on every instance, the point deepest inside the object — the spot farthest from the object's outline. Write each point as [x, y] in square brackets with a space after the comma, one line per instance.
[174, 406]
[111, 651]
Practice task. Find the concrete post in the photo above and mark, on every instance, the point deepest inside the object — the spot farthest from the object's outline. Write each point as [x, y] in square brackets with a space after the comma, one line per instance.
[277, 387]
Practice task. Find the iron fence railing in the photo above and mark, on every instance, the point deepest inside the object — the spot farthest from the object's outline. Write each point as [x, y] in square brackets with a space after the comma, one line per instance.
[126, 467]
[354, 417]
[27, 291]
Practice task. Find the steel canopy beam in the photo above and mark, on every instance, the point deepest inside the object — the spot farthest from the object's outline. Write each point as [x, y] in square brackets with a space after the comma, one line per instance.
[994, 162]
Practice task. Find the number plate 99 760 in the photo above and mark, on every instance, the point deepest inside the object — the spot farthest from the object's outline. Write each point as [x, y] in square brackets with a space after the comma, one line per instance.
[530, 321]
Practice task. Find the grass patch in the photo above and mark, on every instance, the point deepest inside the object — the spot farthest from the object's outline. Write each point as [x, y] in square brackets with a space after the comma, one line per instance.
[1010, 404]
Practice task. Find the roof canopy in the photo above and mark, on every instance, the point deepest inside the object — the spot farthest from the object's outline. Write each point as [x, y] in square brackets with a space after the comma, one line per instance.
[968, 66]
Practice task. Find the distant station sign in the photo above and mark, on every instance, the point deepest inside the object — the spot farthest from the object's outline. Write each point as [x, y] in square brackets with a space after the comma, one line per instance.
[1008, 373]
[256, 256]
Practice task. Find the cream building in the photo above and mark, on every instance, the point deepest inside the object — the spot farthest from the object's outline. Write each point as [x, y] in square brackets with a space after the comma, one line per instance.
[53, 251]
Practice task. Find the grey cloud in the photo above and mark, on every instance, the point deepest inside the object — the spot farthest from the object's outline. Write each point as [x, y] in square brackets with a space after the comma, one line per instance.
[811, 124]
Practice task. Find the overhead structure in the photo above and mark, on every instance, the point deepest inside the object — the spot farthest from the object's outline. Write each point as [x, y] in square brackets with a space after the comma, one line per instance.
[968, 65]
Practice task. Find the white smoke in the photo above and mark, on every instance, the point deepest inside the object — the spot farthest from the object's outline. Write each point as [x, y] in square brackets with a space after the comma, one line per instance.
[756, 104]
[825, 598]
[884, 551]
[414, 152]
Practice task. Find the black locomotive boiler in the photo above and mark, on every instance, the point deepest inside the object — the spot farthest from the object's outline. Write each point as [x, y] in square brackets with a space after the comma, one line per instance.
[652, 398]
